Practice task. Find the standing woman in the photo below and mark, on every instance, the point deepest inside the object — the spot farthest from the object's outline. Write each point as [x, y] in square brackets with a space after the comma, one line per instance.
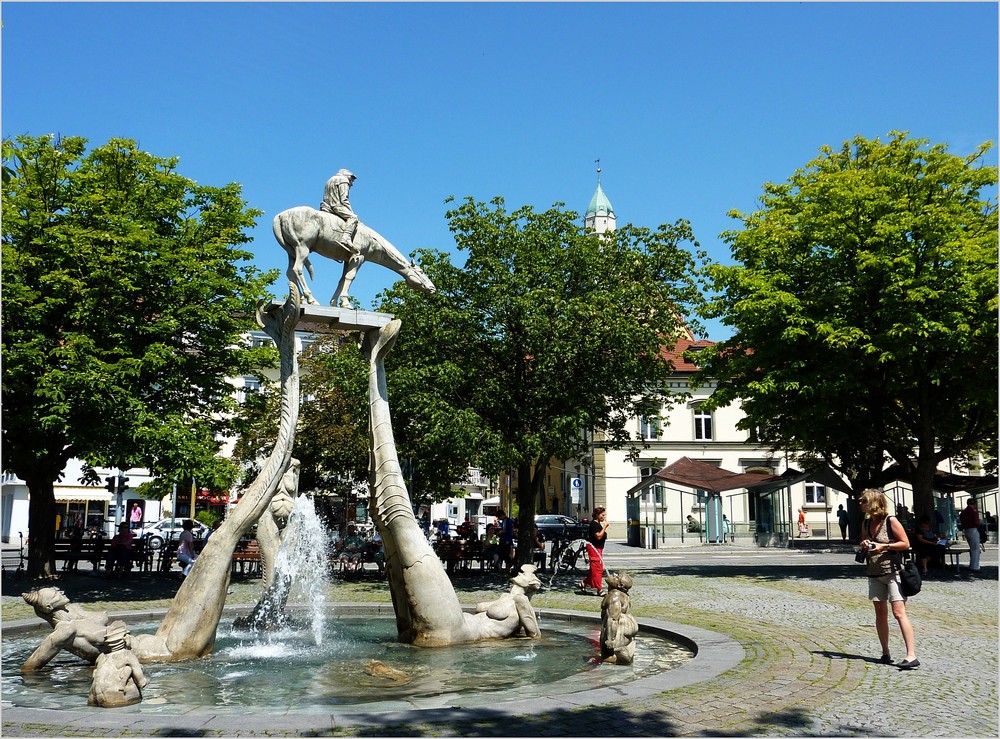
[882, 553]
[596, 537]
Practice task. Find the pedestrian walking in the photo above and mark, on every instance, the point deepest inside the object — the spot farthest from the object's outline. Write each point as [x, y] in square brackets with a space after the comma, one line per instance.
[135, 517]
[969, 521]
[843, 519]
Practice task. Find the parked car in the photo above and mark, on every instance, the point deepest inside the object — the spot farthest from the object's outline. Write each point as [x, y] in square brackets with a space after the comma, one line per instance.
[555, 526]
[168, 529]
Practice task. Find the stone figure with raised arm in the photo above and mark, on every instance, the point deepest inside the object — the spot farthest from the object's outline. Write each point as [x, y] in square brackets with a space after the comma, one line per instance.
[118, 678]
[74, 628]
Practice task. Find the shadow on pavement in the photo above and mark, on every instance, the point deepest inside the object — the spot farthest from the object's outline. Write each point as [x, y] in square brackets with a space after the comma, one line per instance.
[603, 721]
[844, 655]
[83, 587]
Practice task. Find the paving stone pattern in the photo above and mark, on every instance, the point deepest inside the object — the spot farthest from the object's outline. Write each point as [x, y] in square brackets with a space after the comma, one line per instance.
[803, 619]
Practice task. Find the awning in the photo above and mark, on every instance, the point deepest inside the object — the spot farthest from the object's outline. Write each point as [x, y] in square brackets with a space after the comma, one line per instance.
[491, 501]
[948, 482]
[694, 474]
[70, 494]
[824, 474]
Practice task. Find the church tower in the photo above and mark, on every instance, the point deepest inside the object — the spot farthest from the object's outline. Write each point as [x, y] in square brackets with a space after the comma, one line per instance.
[600, 215]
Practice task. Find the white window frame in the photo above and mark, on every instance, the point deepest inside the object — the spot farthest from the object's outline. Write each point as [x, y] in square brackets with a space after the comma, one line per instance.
[650, 427]
[815, 493]
[704, 424]
[651, 495]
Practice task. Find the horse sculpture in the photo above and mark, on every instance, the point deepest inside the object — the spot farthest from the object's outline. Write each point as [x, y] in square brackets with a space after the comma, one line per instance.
[304, 230]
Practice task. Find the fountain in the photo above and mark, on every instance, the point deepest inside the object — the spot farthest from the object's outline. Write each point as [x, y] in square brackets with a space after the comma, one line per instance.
[241, 676]
[396, 667]
[301, 563]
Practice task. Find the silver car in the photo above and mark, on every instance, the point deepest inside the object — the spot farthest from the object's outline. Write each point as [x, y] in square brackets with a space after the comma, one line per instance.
[169, 529]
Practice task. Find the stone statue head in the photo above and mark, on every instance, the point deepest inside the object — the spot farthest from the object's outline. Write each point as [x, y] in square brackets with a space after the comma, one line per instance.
[527, 580]
[619, 581]
[46, 600]
[347, 173]
[116, 635]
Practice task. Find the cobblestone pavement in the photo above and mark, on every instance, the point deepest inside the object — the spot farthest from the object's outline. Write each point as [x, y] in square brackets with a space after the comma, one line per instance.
[803, 620]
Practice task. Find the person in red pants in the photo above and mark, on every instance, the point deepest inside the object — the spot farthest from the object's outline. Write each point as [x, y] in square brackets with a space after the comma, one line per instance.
[596, 538]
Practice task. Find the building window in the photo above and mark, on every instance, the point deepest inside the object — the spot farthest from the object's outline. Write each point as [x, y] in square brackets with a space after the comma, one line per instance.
[702, 425]
[649, 427]
[815, 493]
[654, 493]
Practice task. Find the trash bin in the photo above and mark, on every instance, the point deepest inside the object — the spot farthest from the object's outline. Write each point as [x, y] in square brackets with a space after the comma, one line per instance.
[648, 537]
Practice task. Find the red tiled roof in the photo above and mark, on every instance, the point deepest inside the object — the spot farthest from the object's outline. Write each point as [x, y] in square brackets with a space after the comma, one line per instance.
[683, 344]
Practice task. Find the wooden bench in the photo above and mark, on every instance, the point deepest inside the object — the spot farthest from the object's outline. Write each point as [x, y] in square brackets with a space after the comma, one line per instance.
[13, 559]
[459, 554]
[86, 550]
[96, 551]
[953, 554]
[247, 560]
[369, 555]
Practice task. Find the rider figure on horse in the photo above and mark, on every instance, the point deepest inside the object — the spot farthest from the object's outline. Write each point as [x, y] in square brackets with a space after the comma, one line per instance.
[336, 201]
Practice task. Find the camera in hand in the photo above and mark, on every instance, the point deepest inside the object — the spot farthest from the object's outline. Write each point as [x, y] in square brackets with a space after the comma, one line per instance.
[860, 556]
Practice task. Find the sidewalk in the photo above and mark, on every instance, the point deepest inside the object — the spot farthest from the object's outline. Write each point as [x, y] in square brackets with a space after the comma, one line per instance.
[802, 618]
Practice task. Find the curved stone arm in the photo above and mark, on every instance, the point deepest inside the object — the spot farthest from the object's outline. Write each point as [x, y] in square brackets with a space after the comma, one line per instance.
[79, 638]
[188, 629]
[428, 612]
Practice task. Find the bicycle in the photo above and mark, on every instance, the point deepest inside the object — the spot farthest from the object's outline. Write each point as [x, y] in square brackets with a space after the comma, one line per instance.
[567, 555]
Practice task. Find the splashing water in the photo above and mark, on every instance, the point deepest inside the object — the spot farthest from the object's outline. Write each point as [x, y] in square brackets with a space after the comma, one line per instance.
[300, 565]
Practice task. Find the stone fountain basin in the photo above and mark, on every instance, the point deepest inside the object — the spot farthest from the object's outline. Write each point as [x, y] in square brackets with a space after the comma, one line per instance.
[712, 654]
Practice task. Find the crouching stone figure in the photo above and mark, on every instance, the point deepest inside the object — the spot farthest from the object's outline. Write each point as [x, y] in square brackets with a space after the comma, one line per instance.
[618, 625]
[118, 677]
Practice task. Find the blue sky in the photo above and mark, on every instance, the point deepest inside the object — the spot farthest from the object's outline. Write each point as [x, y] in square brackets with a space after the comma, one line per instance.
[691, 107]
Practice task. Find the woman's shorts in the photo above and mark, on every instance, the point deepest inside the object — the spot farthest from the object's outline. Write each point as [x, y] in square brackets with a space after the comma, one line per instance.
[885, 587]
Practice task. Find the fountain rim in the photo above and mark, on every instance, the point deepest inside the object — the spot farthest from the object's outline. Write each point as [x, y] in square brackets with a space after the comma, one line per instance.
[714, 653]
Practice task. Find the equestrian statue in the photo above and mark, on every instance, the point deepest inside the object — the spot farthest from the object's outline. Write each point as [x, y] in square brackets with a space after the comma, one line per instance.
[334, 231]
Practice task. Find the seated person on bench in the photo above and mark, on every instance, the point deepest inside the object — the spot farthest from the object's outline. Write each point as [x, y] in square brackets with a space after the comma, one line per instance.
[120, 553]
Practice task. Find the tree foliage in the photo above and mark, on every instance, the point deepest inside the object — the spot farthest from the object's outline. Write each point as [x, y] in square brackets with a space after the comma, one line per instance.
[331, 439]
[125, 294]
[546, 331]
[864, 303]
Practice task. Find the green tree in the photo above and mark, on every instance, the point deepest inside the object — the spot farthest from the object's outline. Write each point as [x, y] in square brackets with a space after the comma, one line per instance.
[864, 303]
[546, 331]
[331, 439]
[125, 295]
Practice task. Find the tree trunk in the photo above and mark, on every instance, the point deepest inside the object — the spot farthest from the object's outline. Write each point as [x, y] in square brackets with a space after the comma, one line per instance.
[41, 525]
[922, 480]
[529, 479]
